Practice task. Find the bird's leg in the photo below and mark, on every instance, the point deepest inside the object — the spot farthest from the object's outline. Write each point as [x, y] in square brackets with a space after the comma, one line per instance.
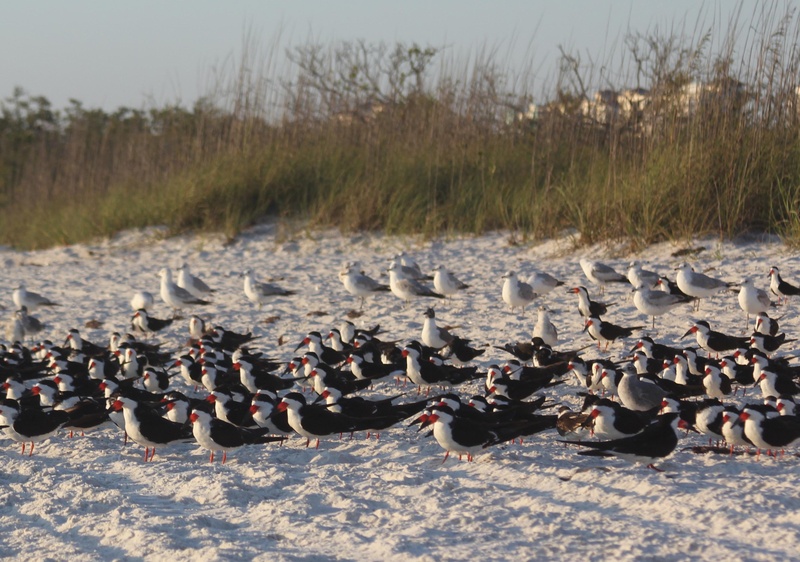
[30, 453]
[23, 447]
[224, 456]
[152, 453]
[317, 447]
[308, 442]
[447, 454]
[654, 467]
[469, 457]
[146, 450]
[211, 458]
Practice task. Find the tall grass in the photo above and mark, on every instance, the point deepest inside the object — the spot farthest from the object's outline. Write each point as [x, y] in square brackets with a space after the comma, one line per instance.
[406, 139]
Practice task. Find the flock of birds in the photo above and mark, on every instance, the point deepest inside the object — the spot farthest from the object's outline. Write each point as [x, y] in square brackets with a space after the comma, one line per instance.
[219, 391]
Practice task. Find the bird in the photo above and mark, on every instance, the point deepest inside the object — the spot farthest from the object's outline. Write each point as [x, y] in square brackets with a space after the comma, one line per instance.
[409, 268]
[542, 283]
[407, 288]
[446, 283]
[716, 383]
[258, 292]
[766, 325]
[640, 277]
[360, 285]
[22, 297]
[30, 325]
[142, 299]
[196, 286]
[176, 297]
[432, 335]
[544, 328]
[313, 422]
[656, 303]
[768, 344]
[600, 273]
[639, 394]
[656, 441]
[517, 293]
[586, 306]
[147, 428]
[147, 324]
[218, 435]
[698, 285]
[606, 332]
[780, 288]
[712, 341]
[611, 420]
[752, 299]
[29, 425]
[767, 433]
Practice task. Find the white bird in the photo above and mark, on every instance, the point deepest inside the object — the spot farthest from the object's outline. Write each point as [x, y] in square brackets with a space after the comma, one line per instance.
[517, 293]
[601, 274]
[29, 324]
[752, 299]
[409, 268]
[258, 293]
[542, 283]
[142, 300]
[642, 277]
[432, 335]
[545, 329]
[656, 303]
[697, 284]
[446, 283]
[358, 284]
[23, 297]
[405, 288]
[174, 296]
[194, 285]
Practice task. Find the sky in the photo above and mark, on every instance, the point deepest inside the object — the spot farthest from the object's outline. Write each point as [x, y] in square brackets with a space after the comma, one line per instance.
[109, 54]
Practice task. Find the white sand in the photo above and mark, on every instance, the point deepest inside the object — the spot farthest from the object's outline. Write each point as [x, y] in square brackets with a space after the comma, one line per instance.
[91, 498]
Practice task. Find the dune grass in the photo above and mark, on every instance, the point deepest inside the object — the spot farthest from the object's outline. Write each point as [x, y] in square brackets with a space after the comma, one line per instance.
[400, 145]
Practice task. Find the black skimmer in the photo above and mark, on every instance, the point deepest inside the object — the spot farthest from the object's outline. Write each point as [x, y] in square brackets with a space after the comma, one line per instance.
[254, 379]
[611, 420]
[773, 384]
[359, 407]
[732, 430]
[79, 345]
[656, 441]
[654, 350]
[767, 433]
[363, 369]
[517, 293]
[716, 383]
[327, 355]
[266, 414]
[768, 344]
[606, 332]
[712, 341]
[196, 286]
[147, 324]
[586, 306]
[425, 373]
[460, 351]
[766, 325]
[708, 418]
[147, 428]
[446, 283]
[218, 435]
[155, 380]
[29, 425]
[780, 288]
[314, 422]
[230, 410]
[698, 285]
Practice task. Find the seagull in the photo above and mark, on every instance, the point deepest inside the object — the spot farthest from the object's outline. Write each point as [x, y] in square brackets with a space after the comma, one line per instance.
[779, 287]
[637, 394]
[30, 324]
[545, 329]
[752, 299]
[193, 284]
[409, 268]
[446, 283]
[358, 284]
[142, 300]
[174, 296]
[697, 284]
[432, 335]
[600, 274]
[516, 292]
[542, 283]
[656, 303]
[258, 293]
[31, 300]
[406, 288]
[637, 276]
